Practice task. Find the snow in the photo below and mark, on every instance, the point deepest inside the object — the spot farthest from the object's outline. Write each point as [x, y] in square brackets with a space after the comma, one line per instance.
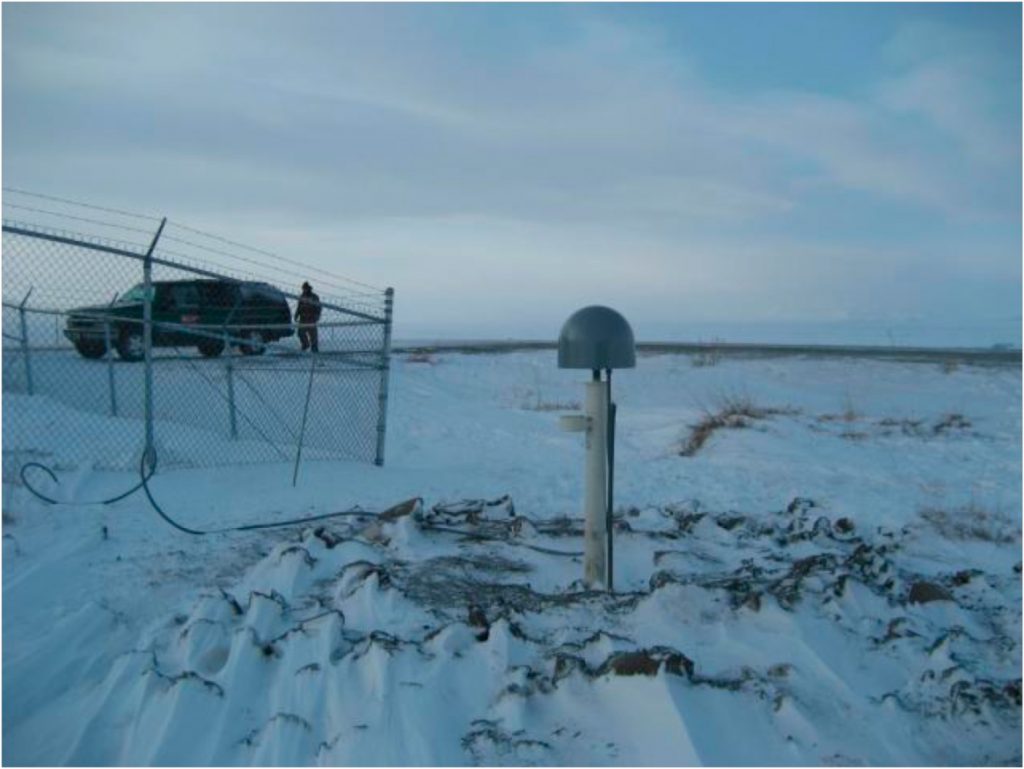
[762, 612]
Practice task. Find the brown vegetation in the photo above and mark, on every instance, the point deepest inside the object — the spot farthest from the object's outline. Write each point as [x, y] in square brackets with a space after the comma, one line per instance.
[553, 406]
[734, 412]
[954, 421]
[971, 522]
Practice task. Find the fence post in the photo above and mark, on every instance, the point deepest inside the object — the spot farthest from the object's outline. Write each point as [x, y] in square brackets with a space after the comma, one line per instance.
[385, 369]
[231, 396]
[147, 341]
[110, 359]
[24, 344]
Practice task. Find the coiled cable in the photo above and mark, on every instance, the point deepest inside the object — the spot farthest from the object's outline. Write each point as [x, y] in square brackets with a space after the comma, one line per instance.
[35, 492]
[144, 477]
[145, 474]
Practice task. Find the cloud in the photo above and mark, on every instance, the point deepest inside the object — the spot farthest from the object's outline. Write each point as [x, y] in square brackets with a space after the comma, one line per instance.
[604, 107]
[550, 152]
[946, 93]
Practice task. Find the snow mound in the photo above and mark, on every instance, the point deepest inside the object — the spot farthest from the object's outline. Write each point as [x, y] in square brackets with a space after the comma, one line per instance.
[401, 642]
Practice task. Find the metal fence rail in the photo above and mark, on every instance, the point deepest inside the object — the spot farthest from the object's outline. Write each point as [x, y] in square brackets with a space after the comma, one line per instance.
[114, 348]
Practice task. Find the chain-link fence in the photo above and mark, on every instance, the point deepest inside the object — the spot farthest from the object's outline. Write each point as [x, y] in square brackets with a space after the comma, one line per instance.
[128, 334]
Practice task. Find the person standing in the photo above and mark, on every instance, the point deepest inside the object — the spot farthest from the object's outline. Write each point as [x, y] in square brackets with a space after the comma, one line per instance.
[308, 314]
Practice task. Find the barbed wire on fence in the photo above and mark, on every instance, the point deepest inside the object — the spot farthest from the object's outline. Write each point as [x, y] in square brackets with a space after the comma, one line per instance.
[230, 380]
[339, 292]
[79, 204]
[332, 277]
[69, 217]
[66, 210]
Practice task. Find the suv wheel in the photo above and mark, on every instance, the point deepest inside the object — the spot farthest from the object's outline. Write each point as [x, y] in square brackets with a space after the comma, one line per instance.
[254, 343]
[130, 345]
[91, 349]
[210, 348]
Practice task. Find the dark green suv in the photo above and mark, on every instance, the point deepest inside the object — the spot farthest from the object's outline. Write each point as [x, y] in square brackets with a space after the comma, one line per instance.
[205, 314]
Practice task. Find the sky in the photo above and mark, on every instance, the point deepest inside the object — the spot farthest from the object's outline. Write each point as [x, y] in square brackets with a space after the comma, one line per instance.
[721, 170]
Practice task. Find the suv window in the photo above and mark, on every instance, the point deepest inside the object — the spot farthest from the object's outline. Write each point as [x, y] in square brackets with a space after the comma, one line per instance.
[136, 293]
[217, 294]
[261, 292]
[184, 295]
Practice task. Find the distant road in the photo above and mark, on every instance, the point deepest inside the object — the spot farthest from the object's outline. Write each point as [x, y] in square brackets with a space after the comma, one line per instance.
[967, 356]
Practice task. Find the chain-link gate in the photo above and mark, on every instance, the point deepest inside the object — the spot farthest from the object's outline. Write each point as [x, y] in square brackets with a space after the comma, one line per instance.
[155, 341]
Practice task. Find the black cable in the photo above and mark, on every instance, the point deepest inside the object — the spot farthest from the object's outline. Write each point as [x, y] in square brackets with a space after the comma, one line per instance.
[248, 527]
[28, 485]
[54, 478]
[143, 484]
[310, 519]
[152, 502]
[144, 478]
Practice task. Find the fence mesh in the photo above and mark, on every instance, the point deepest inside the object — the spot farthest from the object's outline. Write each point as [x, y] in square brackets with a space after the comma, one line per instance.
[230, 382]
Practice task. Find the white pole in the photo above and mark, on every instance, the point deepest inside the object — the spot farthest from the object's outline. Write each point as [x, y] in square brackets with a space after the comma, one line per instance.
[596, 484]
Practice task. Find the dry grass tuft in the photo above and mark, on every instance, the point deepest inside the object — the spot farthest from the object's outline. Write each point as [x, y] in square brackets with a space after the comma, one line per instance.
[705, 358]
[848, 414]
[534, 400]
[906, 426]
[854, 435]
[541, 405]
[949, 422]
[971, 522]
[734, 412]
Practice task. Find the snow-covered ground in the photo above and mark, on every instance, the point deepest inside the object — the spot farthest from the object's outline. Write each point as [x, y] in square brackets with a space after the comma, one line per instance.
[831, 578]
